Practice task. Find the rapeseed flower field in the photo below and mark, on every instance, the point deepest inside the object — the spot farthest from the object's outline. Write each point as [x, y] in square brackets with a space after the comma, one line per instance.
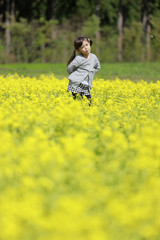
[70, 171]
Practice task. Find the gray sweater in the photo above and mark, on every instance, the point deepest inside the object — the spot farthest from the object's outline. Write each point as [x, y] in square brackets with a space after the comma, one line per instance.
[81, 68]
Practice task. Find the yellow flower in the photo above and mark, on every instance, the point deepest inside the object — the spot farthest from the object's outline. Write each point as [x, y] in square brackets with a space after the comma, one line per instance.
[70, 171]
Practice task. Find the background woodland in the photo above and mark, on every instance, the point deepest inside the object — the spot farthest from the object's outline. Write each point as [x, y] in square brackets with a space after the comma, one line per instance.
[44, 30]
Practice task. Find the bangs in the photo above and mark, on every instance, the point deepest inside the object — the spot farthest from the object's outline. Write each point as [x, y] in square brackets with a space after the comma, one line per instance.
[79, 41]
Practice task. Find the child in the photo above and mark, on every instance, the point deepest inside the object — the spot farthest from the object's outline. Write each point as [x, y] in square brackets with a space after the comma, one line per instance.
[82, 68]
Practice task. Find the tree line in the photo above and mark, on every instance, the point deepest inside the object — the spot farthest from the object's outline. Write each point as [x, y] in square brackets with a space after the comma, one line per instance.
[44, 30]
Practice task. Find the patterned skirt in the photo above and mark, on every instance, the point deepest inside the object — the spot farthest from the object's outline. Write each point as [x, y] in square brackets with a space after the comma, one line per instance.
[81, 89]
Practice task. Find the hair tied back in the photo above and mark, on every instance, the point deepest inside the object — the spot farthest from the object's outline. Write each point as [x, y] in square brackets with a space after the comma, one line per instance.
[90, 41]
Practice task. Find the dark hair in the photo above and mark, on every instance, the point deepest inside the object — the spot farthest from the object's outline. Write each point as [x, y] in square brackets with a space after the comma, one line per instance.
[77, 44]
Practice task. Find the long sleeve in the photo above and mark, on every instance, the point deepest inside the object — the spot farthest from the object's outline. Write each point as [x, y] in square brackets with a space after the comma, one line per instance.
[73, 66]
[97, 65]
[82, 67]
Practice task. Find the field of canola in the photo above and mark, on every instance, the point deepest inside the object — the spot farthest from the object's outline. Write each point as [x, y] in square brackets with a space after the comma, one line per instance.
[73, 172]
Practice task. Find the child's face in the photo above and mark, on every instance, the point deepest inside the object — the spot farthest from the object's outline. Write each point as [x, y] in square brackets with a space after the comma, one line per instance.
[85, 48]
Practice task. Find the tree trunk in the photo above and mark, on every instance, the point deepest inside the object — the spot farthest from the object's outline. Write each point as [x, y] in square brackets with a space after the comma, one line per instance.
[7, 31]
[1, 16]
[148, 33]
[54, 9]
[12, 10]
[97, 39]
[144, 21]
[1, 10]
[147, 29]
[144, 24]
[148, 42]
[120, 32]
[43, 53]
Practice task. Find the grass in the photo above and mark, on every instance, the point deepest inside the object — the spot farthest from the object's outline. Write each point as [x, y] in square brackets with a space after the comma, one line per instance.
[133, 71]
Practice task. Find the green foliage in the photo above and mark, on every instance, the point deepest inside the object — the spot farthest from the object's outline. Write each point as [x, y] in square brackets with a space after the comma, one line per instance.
[108, 49]
[21, 40]
[84, 8]
[155, 36]
[39, 8]
[44, 30]
[133, 48]
[30, 42]
[65, 9]
[132, 11]
[91, 27]
[43, 39]
[108, 10]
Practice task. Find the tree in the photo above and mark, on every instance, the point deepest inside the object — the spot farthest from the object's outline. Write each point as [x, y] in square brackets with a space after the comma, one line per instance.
[7, 28]
[120, 31]
[132, 44]
[155, 36]
[97, 37]
[1, 11]
[146, 9]
[114, 26]
[149, 8]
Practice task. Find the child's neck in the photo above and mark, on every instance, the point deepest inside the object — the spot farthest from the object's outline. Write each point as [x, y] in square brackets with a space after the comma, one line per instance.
[87, 56]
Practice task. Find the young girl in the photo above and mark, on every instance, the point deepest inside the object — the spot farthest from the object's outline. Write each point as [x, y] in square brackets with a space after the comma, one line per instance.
[81, 68]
